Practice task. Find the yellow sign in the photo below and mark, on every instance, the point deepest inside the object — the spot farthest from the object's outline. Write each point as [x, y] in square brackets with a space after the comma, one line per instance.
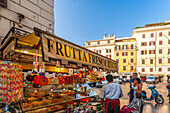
[58, 49]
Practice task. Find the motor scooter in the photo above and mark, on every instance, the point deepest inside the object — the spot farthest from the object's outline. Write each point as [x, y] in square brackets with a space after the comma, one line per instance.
[155, 95]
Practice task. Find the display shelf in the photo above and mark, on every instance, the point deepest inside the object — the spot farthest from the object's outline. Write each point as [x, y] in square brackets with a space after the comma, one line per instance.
[56, 104]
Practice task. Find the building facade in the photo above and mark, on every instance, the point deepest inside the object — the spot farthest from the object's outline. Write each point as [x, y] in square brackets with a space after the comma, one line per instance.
[125, 55]
[123, 50]
[26, 14]
[153, 49]
[104, 47]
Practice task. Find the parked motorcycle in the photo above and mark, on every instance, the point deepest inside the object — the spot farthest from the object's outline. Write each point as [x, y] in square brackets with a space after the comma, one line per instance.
[155, 95]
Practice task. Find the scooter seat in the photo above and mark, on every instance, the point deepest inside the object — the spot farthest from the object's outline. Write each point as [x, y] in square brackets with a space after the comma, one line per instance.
[144, 92]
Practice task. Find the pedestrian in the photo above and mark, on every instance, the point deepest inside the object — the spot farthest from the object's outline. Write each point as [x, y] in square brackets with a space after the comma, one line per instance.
[131, 93]
[111, 92]
[135, 106]
[168, 87]
[137, 87]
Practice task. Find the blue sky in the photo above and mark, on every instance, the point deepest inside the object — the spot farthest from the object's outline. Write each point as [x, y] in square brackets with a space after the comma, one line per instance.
[83, 20]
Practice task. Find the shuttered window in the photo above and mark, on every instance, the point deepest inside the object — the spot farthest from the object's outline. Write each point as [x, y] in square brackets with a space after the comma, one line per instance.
[160, 61]
[143, 61]
[160, 69]
[160, 42]
[117, 60]
[168, 68]
[124, 60]
[124, 68]
[143, 69]
[152, 35]
[117, 54]
[151, 69]
[160, 51]
[160, 34]
[143, 35]
[151, 61]
[168, 60]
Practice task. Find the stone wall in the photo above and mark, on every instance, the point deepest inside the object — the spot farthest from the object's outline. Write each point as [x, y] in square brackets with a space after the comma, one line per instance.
[38, 13]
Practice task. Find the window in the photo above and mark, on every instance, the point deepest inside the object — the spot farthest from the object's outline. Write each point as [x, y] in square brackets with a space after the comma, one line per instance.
[160, 34]
[124, 54]
[143, 35]
[98, 51]
[151, 69]
[124, 60]
[168, 60]
[143, 43]
[160, 69]
[151, 61]
[108, 56]
[117, 54]
[3, 3]
[152, 35]
[124, 47]
[168, 68]
[160, 42]
[108, 50]
[169, 33]
[152, 43]
[160, 51]
[143, 52]
[124, 68]
[108, 41]
[143, 69]
[88, 43]
[151, 51]
[168, 51]
[132, 54]
[132, 47]
[117, 60]
[131, 68]
[143, 61]
[132, 60]
[160, 61]
[168, 41]
[98, 42]
[117, 47]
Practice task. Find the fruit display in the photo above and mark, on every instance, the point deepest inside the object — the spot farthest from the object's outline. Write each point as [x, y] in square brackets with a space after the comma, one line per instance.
[11, 82]
[93, 76]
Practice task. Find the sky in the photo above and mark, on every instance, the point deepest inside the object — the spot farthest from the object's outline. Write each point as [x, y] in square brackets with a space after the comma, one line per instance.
[84, 20]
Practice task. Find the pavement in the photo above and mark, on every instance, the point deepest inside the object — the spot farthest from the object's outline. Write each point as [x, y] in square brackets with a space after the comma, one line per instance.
[149, 106]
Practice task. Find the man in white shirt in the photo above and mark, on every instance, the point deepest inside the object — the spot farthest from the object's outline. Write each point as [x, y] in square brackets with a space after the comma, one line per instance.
[111, 93]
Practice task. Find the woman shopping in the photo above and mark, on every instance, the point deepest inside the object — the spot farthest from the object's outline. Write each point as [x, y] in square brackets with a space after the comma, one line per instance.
[137, 87]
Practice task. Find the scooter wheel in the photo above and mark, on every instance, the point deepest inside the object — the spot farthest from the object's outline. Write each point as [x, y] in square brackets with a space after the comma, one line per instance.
[159, 99]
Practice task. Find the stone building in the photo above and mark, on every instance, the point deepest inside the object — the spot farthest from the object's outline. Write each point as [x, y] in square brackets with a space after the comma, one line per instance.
[26, 14]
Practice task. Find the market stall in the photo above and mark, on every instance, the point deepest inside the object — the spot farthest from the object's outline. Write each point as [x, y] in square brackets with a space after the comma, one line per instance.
[41, 53]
